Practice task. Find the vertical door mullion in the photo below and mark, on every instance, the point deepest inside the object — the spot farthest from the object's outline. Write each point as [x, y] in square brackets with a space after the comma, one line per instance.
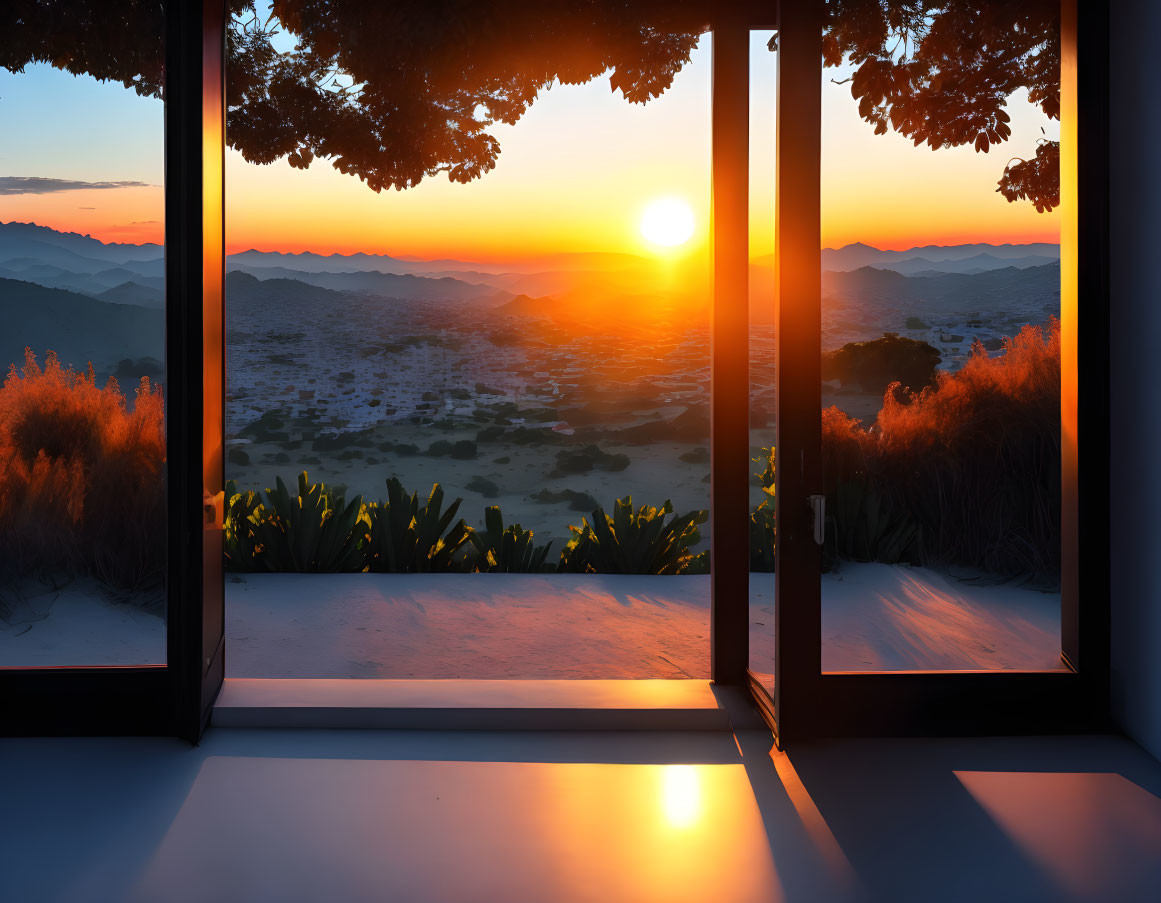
[194, 272]
[730, 374]
[798, 379]
[1085, 341]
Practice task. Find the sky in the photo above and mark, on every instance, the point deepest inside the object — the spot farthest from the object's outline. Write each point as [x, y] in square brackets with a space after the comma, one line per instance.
[575, 174]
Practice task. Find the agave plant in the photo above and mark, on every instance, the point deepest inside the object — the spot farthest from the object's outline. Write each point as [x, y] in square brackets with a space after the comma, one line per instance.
[507, 551]
[763, 519]
[633, 541]
[242, 516]
[763, 537]
[407, 538]
[316, 531]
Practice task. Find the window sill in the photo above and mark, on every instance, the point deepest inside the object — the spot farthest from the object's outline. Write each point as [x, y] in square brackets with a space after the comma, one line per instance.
[659, 705]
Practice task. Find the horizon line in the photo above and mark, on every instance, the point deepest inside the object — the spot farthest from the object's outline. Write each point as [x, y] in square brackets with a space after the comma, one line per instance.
[889, 247]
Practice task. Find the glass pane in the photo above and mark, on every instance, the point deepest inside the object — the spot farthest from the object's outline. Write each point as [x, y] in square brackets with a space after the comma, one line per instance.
[763, 435]
[82, 300]
[941, 342]
[531, 338]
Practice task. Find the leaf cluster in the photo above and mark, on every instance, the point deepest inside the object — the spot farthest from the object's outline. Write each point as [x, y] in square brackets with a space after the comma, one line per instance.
[940, 72]
[407, 537]
[634, 541]
[395, 92]
[764, 518]
[507, 550]
[315, 531]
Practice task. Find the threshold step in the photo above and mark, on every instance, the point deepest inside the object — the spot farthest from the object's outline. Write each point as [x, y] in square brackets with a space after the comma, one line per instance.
[540, 705]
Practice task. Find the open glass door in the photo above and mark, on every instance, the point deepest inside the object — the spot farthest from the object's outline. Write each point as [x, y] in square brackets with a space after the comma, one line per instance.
[108, 216]
[763, 410]
[941, 343]
[195, 272]
[928, 543]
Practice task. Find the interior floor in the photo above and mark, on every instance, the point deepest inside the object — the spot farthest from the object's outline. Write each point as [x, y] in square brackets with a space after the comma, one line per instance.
[306, 815]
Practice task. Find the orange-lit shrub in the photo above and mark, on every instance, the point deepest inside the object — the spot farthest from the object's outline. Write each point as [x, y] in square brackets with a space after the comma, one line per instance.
[81, 478]
[973, 461]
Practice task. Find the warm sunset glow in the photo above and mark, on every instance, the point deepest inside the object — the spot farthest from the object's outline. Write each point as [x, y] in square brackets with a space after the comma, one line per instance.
[606, 165]
[681, 795]
[667, 222]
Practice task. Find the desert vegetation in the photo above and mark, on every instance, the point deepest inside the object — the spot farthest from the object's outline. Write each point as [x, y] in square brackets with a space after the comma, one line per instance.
[961, 473]
[871, 366]
[320, 531]
[965, 472]
[81, 479]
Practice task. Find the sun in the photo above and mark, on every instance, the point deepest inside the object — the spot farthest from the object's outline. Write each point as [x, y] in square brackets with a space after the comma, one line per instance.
[667, 222]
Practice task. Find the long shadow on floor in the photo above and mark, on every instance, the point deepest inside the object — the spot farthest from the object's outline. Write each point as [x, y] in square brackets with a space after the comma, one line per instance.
[415, 816]
[1021, 819]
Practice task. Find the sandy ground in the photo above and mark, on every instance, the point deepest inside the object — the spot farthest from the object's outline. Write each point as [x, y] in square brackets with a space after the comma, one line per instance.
[875, 617]
[483, 625]
[879, 617]
[603, 626]
[77, 625]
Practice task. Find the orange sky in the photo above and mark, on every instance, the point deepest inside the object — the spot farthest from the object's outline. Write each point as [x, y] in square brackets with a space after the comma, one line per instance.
[574, 175]
[111, 214]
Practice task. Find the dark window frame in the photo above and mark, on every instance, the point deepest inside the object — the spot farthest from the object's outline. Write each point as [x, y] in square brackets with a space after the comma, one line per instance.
[807, 702]
[176, 698]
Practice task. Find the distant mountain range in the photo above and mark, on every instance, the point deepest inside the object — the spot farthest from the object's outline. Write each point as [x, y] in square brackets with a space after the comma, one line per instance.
[310, 262]
[388, 285]
[82, 263]
[940, 258]
[91, 300]
[78, 328]
[989, 289]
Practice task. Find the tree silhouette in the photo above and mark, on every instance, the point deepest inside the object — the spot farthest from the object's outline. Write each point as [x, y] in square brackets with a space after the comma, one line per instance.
[941, 72]
[393, 91]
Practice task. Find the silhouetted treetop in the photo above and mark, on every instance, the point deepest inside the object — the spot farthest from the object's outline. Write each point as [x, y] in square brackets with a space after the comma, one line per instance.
[393, 91]
[122, 41]
[941, 72]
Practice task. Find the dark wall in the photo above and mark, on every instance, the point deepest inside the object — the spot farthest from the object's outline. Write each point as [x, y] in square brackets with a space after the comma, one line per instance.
[1135, 409]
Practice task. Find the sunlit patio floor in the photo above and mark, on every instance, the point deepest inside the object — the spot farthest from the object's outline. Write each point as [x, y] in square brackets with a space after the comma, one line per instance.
[494, 626]
[574, 817]
[875, 617]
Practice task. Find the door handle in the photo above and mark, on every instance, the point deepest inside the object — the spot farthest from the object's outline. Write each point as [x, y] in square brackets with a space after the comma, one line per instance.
[818, 509]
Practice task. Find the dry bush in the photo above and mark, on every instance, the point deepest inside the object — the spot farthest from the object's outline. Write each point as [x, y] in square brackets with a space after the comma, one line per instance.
[81, 477]
[973, 461]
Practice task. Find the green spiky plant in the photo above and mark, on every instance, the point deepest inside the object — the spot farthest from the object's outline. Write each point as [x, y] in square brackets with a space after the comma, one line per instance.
[243, 514]
[634, 541]
[408, 538]
[506, 550]
[315, 531]
[763, 519]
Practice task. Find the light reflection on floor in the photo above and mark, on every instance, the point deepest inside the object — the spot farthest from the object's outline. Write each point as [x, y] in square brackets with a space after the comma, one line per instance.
[310, 829]
[412, 816]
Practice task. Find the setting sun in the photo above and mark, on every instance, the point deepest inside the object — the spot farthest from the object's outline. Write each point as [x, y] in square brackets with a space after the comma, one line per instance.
[667, 222]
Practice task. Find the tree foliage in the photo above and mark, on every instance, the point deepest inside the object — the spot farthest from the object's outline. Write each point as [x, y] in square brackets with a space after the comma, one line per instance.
[393, 92]
[940, 72]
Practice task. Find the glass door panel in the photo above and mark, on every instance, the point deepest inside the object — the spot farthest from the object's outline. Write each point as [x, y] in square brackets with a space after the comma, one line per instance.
[763, 409]
[83, 527]
[941, 442]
